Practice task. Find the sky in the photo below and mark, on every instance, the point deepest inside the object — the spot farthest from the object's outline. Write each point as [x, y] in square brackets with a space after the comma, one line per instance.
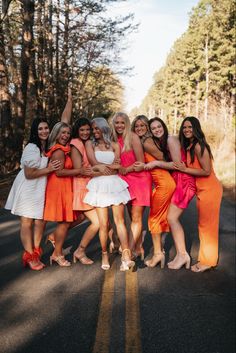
[162, 22]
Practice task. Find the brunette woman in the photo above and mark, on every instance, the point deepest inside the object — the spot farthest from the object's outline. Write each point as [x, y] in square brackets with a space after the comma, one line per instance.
[209, 191]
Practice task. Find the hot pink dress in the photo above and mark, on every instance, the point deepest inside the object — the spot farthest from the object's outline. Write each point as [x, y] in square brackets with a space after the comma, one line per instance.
[140, 183]
[80, 183]
[185, 187]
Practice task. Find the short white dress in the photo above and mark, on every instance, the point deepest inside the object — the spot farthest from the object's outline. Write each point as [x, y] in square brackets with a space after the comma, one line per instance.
[27, 196]
[106, 190]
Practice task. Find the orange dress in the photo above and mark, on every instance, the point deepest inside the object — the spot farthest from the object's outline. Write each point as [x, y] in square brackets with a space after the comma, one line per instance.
[80, 183]
[59, 196]
[164, 186]
[209, 195]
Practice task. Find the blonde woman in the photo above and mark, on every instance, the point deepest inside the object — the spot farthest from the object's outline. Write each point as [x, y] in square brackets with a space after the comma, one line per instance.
[108, 190]
[139, 182]
[59, 197]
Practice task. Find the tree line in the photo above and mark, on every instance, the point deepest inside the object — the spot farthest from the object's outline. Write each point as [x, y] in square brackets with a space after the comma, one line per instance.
[199, 75]
[46, 45]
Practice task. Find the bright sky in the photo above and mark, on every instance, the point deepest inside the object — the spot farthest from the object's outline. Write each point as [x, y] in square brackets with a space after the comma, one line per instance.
[161, 23]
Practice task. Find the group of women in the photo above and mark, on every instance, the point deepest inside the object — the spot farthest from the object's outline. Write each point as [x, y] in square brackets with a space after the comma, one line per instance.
[73, 174]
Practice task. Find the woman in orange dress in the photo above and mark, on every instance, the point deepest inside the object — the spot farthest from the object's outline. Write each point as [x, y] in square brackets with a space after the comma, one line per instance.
[81, 132]
[209, 191]
[164, 187]
[59, 197]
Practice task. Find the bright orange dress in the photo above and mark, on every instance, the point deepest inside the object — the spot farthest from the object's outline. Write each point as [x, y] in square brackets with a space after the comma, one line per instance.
[59, 196]
[209, 195]
[80, 183]
[164, 186]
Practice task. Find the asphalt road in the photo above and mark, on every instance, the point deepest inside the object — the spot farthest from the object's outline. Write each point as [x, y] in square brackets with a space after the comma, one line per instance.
[84, 309]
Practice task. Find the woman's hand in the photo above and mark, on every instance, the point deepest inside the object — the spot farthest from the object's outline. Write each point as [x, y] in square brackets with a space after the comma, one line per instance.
[54, 165]
[138, 166]
[123, 171]
[101, 168]
[151, 165]
[86, 171]
[181, 166]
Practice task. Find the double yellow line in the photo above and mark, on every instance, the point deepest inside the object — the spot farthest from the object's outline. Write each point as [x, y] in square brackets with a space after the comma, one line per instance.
[132, 316]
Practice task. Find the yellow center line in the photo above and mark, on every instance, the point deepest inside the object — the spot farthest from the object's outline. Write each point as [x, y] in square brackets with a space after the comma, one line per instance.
[102, 339]
[132, 315]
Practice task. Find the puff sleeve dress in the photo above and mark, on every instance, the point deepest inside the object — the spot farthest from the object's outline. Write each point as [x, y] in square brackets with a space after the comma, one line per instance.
[27, 196]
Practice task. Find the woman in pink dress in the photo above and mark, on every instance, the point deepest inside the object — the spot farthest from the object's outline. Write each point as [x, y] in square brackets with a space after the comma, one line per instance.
[139, 182]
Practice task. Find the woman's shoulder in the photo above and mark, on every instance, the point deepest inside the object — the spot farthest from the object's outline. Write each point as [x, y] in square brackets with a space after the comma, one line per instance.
[172, 140]
[58, 147]
[77, 143]
[31, 147]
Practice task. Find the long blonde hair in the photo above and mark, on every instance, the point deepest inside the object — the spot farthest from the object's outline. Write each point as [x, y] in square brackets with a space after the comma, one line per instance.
[55, 133]
[127, 135]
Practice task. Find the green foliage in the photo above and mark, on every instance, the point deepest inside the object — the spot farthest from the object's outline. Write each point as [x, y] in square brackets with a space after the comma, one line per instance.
[199, 74]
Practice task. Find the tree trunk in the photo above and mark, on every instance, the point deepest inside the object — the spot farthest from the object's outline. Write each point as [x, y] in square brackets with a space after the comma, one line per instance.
[6, 139]
[207, 79]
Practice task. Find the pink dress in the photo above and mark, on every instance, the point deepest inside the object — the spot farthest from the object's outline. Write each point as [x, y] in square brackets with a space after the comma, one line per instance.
[80, 183]
[185, 187]
[140, 183]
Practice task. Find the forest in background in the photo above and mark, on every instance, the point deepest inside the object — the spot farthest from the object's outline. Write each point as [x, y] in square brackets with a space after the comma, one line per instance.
[199, 79]
[46, 45]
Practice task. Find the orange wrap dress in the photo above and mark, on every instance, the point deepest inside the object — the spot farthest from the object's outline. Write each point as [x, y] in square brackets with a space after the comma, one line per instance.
[80, 183]
[164, 186]
[59, 195]
[209, 195]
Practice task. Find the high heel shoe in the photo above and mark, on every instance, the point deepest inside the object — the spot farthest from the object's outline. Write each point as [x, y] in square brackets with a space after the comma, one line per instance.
[32, 261]
[200, 268]
[180, 261]
[38, 253]
[126, 262]
[157, 258]
[139, 250]
[60, 260]
[81, 256]
[50, 240]
[105, 264]
[113, 249]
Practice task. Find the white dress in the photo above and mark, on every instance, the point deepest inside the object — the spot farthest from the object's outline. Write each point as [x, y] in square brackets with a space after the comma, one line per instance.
[106, 190]
[27, 196]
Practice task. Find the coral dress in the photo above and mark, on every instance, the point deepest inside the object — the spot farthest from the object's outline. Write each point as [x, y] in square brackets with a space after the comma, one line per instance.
[164, 186]
[209, 195]
[140, 183]
[59, 196]
[106, 190]
[185, 187]
[80, 183]
[27, 196]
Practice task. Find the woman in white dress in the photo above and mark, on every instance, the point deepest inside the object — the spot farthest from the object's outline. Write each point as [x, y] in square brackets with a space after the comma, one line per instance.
[108, 190]
[27, 195]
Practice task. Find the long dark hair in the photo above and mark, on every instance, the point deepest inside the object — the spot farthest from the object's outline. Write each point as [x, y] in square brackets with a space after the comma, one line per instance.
[34, 135]
[77, 125]
[198, 137]
[162, 142]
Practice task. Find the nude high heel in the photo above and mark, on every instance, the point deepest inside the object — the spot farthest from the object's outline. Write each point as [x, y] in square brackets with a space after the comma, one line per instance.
[79, 254]
[60, 260]
[126, 262]
[156, 259]
[182, 260]
[105, 264]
